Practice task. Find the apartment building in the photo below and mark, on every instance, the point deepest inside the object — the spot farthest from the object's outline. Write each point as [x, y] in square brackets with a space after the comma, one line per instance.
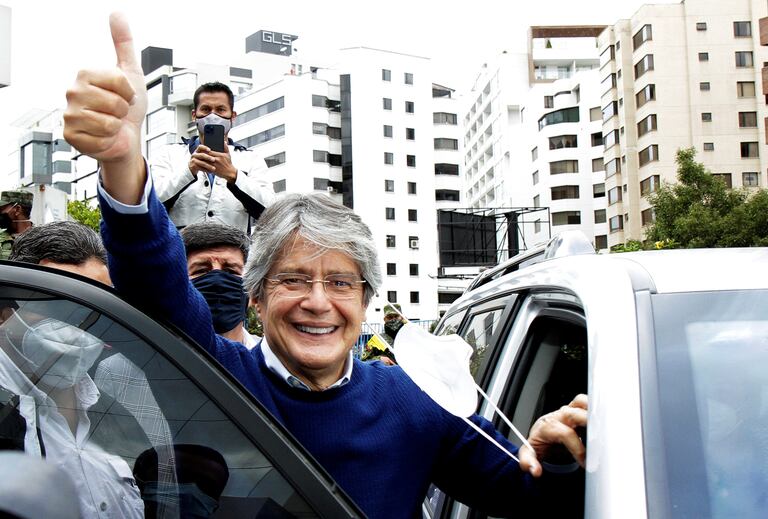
[676, 76]
[367, 126]
[533, 140]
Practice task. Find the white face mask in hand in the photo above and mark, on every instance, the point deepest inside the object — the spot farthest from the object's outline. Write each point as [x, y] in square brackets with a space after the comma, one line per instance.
[60, 354]
[439, 365]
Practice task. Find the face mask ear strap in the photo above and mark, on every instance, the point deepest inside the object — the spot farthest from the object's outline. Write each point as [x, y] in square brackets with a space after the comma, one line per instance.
[504, 417]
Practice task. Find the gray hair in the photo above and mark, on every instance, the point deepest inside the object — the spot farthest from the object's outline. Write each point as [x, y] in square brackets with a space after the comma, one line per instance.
[319, 220]
[71, 243]
[205, 235]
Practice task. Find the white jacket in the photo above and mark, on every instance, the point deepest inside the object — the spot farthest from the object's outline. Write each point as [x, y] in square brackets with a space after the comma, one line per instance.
[192, 199]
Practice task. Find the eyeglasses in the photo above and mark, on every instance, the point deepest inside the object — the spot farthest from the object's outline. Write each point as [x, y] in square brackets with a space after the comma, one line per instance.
[337, 286]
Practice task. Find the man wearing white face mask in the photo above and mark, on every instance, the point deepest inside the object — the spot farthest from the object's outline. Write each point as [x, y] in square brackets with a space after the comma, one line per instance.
[198, 184]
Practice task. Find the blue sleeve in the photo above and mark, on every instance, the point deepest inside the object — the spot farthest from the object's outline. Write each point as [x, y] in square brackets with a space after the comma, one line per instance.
[148, 266]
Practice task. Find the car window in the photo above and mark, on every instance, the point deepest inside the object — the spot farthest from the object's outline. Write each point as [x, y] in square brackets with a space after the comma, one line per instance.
[138, 436]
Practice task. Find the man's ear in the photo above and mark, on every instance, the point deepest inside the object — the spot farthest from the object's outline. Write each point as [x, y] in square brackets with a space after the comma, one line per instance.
[194, 114]
[234, 114]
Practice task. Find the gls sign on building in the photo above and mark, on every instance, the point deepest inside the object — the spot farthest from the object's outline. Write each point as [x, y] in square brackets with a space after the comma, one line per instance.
[270, 42]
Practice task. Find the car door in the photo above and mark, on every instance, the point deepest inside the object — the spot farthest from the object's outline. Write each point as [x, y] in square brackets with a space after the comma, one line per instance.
[536, 362]
[158, 428]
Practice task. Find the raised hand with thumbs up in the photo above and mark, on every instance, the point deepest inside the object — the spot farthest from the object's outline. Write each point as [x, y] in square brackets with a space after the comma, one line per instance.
[105, 110]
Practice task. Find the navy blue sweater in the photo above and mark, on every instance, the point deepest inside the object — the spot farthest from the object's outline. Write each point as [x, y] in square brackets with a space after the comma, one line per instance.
[381, 438]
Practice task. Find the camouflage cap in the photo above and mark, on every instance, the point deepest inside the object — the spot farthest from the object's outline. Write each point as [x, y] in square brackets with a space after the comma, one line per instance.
[23, 198]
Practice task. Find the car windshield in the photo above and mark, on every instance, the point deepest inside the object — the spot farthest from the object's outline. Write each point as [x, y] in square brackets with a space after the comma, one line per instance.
[712, 353]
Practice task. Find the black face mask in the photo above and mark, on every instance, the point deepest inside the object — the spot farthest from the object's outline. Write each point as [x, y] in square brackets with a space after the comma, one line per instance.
[223, 291]
[5, 221]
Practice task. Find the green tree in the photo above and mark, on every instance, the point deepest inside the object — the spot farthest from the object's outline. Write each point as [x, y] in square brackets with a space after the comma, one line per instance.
[701, 211]
[81, 211]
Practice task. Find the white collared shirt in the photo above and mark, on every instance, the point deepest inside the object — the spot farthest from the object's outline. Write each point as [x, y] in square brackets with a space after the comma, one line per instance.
[277, 367]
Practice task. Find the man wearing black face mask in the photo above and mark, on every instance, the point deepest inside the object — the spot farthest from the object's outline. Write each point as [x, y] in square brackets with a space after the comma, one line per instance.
[216, 256]
[198, 184]
[15, 209]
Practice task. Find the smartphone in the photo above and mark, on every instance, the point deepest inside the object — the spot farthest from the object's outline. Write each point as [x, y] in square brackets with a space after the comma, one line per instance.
[214, 137]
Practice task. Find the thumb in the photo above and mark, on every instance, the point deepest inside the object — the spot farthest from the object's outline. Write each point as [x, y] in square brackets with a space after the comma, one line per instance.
[123, 41]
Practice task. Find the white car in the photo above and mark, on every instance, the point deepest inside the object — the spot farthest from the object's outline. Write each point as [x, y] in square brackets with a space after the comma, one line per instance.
[671, 347]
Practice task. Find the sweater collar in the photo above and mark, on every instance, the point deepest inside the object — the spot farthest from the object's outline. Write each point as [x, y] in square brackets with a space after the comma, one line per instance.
[277, 367]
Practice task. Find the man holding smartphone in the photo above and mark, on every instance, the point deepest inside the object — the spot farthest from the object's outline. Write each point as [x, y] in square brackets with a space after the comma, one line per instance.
[210, 178]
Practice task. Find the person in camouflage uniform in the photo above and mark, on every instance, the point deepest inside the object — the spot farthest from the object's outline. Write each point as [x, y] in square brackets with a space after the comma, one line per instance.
[15, 209]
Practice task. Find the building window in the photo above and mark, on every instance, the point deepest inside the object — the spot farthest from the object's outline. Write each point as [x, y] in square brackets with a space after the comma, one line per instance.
[648, 93]
[389, 213]
[641, 36]
[612, 167]
[387, 103]
[535, 177]
[413, 215]
[595, 114]
[742, 29]
[563, 141]
[751, 179]
[391, 242]
[749, 150]
[566, 218]
[701, 26]
[564, 192]
[446, 169]
[600, 216]
[324, 102]
[566, 115]
[614, 195]
[744, 59]
[649, 185]
[410, 161]
[413, 269]
[410, 134]
[408, 78]
[616, 223]
[649, 154]
[608, 83]
[414, 297]
[647, 216]
[391, 269]
[745, 88]
[597, 139]
[391, 296]
[534, 154]
[413, 242]
[389, 186]
[563, 166]
[549, 101]
[537, 226]
[747, 119]
[444, 118]
[386, 75]
[537, 201]
[275, 160]
[644, 65]
[449, 195]
[262, 137]
[610, 139]
[724, 178]
[601, 242]
[703, 56]
[598, 164]
[709, 146]
[646, 125]
[266, 108]
[598, 190]
[704, 86]
[411, 188]
[319, 156]
[389, 158]
[409, 107]
[387, 130]
[706, 117]
[446, 144]
[279, 186]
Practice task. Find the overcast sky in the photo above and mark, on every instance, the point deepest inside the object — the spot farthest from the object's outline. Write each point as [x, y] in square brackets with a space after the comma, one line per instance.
[52, 39]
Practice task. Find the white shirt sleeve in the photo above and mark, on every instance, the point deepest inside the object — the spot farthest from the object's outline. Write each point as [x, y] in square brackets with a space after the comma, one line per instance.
[141, 208]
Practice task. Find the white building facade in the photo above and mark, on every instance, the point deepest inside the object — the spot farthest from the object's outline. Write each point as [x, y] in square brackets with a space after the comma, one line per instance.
[678, 76]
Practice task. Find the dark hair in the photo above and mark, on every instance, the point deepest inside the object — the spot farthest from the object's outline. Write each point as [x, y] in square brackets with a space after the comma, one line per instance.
[212, 87]
[202, 236]
[71, 243]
